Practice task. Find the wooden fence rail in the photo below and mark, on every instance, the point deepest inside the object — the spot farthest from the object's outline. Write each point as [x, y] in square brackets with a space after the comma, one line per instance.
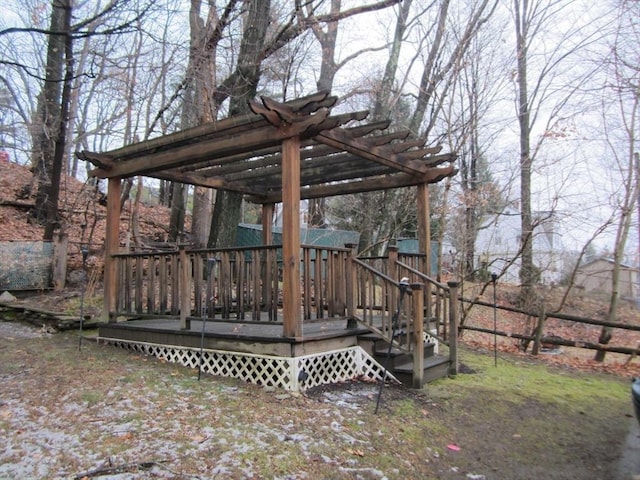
[537, 337]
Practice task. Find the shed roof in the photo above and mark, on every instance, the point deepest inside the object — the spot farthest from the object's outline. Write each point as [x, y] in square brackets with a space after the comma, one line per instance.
[339, 154]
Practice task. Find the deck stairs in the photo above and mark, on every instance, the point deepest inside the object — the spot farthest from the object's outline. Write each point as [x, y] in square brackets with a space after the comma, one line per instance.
[399, 363]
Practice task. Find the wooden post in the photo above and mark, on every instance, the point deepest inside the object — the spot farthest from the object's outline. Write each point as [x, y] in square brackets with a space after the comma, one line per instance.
[539, 328]
[424, 227]
[292, 301]
[266, 268]
[60, 245]
[352, 285]
[418, 334]
[185, 289]
[392, 272]
[453, 328]
[424, 241]
[111, 247]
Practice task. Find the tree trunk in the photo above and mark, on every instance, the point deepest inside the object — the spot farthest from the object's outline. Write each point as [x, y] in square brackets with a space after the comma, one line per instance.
[384, 99]
[632, 191]
[328, 70]
[228, 207]
[46, 125]
[428, 81]
[526, 222]
[176, 220]
[201, 218]
[52, 222]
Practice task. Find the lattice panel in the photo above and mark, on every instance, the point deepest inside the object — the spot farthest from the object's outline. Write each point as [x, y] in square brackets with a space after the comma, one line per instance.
[280, 372]
[431, 340]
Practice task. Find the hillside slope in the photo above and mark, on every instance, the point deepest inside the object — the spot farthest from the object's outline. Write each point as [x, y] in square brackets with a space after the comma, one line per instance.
[82, 210]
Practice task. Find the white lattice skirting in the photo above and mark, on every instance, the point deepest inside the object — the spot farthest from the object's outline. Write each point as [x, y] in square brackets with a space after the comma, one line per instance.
[289, 373]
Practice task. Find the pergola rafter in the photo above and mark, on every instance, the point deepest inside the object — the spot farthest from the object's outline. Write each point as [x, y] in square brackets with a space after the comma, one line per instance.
[244, 153]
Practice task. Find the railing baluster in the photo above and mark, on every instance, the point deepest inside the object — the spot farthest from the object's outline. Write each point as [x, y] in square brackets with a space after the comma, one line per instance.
[163, 281]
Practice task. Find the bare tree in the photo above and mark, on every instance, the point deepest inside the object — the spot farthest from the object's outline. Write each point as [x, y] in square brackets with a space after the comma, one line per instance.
[621, 123]
[198, 107]
[442, 62]
[472, 131]
[50, 122]
[258, 43]
[537, 93]
[227, 209]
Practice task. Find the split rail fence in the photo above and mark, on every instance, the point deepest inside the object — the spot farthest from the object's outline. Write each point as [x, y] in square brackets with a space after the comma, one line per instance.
[626, 335]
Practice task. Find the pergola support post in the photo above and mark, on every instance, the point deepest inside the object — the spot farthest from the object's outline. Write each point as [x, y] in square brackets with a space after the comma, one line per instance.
[424, 240]
[112, 246]
[266, 266]
[292, 292]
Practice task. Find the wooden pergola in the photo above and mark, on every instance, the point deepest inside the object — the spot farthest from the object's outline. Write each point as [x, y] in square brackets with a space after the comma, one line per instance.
[283, 152]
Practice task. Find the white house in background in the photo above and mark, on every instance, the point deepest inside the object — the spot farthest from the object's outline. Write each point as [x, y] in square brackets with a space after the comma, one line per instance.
[498, 244]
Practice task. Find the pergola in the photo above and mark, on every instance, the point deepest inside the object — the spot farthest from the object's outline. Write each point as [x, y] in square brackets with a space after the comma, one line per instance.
[282, 152]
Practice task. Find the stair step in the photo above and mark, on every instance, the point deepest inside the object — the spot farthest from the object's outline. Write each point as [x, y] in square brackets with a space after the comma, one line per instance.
[383, 350]
[434, 368]
[430, 362]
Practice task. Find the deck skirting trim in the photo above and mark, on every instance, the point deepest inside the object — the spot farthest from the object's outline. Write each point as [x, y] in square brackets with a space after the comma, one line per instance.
[289, 373]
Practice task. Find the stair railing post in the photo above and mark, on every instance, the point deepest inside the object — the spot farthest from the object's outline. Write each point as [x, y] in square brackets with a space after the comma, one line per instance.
[351, 285]
[453, 328]
[418, 334]
[392, 272]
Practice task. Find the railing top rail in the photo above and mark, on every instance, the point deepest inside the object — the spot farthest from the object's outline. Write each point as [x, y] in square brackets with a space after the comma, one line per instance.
[400, 254]
[148, 253]
[412, 254]
[424, 277]
[376, 272]
[325, 247]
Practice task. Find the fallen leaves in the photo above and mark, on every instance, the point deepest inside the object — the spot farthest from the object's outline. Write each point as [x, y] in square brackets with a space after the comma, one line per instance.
[357, 452]
[80, 205]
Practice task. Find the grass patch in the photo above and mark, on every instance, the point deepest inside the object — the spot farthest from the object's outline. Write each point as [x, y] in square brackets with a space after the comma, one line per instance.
[519, 421]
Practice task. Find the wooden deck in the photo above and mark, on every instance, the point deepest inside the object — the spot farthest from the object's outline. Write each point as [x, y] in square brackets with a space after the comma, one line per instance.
[261, 338]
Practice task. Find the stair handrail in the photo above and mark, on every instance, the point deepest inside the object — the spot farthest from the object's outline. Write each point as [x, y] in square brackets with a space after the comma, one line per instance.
[440, 310]
[386, 321]
[446, 315]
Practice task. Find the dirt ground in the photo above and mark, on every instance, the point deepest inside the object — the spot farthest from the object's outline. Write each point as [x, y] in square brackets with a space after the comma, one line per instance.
[100, 412]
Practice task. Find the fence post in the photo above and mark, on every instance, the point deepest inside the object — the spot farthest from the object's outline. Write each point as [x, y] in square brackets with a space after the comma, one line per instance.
[453, 328]
[59, 271]
[185, 289]
[539, 328]
[418, 334]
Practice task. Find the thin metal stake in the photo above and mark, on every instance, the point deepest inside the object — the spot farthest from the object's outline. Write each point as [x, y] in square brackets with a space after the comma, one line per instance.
[494, 277]
[210, 263]
[404, 285]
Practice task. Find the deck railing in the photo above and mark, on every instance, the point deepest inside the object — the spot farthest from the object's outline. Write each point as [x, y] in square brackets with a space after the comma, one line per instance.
[230, 283]
[245, 284]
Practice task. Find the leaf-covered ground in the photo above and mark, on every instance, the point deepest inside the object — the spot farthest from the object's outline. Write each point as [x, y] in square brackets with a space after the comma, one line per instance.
[100, 412]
